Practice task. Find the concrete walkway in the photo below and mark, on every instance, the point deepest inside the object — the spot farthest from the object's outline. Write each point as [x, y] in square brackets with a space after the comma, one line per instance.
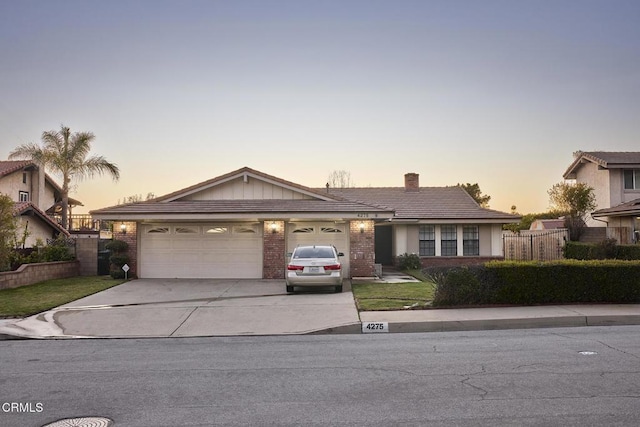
[197, 308]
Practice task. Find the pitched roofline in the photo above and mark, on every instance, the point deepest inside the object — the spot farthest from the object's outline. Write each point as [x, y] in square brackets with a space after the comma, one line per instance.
[18, 165]
[22, 164]
[631, 208]
[23, 207]
[590, 156]
[242, 172]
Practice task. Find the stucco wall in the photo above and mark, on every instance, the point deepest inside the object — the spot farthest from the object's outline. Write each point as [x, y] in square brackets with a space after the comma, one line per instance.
[599, 181]
[12, 184]
[37, 230]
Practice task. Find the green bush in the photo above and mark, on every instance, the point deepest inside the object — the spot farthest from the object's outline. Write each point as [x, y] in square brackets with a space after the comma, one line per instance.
[628, 252]
[530, 283]
[117, 246]
[409, 262]
[607, 249]
[118, 259]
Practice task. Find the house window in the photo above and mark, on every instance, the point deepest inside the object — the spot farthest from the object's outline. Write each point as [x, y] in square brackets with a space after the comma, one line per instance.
[187, 230]
[157, 230]
[24, 177]
[470, 240]
[216, 230]
[23, 196]
[330, 230]
[244, 229]
[427, 237]
[448, 240]
[632, 179]
[303, 230]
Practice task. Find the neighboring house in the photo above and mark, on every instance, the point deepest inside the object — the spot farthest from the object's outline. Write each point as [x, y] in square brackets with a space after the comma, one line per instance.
[34, 193]
[242, 224]
[615, 178]
[547, 224]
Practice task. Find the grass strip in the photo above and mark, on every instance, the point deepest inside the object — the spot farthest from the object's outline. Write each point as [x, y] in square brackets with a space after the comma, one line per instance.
[32, 299]
[392, 296]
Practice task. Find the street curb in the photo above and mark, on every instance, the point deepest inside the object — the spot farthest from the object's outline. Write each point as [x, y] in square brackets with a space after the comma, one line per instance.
[505, 324]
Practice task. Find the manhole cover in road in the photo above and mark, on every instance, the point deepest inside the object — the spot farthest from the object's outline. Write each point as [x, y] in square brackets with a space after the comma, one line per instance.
[587, 353]
[82, 422]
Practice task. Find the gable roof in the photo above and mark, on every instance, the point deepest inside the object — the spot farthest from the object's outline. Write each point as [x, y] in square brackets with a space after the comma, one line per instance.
[631, 208]
[429, 203]
[23, 208]
[244, 173]
[178, 205]
[605, 160]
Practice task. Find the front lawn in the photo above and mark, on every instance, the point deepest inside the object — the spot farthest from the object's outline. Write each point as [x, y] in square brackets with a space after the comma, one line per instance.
[392, 296]
[32, 299]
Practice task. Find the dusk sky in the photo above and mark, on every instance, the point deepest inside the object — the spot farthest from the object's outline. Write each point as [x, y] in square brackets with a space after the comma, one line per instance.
[495, 92]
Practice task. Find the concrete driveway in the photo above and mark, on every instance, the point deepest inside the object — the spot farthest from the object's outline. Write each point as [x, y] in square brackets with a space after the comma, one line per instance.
[195, 308]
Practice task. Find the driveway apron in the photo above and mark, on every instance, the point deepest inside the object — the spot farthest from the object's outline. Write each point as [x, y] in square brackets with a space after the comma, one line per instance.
[195, 308]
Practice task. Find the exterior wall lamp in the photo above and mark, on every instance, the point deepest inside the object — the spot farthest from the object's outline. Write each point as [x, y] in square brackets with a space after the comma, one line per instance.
[274, 227]
[123, 228]
[361, 227]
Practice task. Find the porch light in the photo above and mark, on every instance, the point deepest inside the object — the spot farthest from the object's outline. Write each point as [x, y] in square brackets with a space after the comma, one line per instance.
[361, 226]
[123, 228]
[274, 227]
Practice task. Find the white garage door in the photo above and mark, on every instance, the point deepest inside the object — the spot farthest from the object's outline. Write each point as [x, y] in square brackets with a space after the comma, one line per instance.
[321, 233]
[201, 251]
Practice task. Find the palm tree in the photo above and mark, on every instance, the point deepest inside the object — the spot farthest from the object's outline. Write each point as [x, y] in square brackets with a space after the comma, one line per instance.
[66, 153]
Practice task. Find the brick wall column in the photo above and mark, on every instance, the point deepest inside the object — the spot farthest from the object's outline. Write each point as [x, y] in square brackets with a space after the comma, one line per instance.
[273, 250]
[362, 248]
[130, 235]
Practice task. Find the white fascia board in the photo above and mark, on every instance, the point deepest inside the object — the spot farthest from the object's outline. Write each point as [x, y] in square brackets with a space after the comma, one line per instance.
[242, 216]
[453, 221]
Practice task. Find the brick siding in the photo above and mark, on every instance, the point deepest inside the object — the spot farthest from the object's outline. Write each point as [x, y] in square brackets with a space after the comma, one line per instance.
[131, 237]
[362, 248]
[28, 274]
[273, 254]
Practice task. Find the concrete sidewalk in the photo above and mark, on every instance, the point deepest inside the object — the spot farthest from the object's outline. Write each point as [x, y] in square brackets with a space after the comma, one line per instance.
[471, 319]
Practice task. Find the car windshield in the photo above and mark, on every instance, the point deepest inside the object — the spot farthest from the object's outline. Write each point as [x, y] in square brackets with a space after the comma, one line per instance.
[313, 252]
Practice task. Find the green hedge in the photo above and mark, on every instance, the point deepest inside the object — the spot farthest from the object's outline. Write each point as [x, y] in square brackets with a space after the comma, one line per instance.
[531, 283]
[607, 249]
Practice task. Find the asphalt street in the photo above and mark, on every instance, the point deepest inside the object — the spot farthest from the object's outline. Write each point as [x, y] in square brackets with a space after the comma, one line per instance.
[568, 377]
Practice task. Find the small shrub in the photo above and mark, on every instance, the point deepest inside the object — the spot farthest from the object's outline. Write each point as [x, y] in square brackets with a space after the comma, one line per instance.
[117, 246]
[119, 257]
[409, 262]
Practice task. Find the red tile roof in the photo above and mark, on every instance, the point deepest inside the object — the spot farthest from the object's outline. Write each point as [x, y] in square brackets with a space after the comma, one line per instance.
[10, 166]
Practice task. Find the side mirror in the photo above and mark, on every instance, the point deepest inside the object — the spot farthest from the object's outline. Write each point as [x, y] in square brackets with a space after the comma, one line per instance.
[340, 254]
[289, 254]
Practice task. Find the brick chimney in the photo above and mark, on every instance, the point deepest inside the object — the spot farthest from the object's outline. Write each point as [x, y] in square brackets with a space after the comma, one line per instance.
[411, 182]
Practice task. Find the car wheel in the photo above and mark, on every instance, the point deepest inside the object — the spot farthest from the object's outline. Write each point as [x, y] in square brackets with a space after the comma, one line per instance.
[289, 289]
[338, 288]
